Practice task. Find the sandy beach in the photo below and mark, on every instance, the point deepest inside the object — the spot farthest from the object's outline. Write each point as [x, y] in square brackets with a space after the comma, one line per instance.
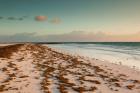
[34, 68]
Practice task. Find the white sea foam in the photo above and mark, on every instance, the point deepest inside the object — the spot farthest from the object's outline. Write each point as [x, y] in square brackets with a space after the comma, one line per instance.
[124, 55]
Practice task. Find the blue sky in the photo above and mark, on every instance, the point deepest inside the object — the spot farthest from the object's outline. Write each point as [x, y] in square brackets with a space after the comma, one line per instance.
[107, 16]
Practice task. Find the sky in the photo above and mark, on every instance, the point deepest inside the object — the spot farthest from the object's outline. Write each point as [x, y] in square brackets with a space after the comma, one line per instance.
[69, 20]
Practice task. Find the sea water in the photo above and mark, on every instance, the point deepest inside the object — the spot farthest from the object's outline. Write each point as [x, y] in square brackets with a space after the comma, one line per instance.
[124, 53]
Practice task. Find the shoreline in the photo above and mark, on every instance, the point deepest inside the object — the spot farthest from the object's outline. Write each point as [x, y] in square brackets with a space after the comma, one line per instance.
[118, 58]
[56, 72]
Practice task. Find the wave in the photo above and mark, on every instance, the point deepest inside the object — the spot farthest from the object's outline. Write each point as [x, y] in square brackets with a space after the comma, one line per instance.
[126, 53]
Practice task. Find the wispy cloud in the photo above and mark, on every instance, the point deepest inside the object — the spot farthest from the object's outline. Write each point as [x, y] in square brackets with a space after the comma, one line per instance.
[56, 20]
[13, 18]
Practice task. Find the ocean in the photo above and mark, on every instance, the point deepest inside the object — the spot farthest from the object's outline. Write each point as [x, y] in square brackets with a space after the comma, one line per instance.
[126, 53]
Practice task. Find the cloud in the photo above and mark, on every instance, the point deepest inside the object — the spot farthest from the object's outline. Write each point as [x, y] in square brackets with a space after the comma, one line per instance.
[74, 36]
[14, 18]
[41, 18]
[83, 36]
[55, 20]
